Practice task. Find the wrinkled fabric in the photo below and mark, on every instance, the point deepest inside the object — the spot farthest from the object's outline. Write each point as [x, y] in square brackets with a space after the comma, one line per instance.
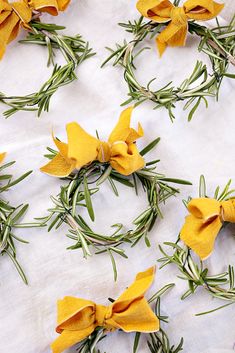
[12, 17]
[50, 6]
[175, 33]
[78, 318]
[18, 14]
[204, 223]
[2, 156]
[82, 148]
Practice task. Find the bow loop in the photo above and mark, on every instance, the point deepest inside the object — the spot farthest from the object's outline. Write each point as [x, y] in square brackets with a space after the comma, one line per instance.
[50, 6]
[202, 10]
[2, 156]
[82, 148]
[203, 224]
[228, 211]
[175, 33]
[204, 208]
[78, 318]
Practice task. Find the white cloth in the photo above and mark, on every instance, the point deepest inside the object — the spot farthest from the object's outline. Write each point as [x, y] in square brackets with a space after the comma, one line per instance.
[206, 145]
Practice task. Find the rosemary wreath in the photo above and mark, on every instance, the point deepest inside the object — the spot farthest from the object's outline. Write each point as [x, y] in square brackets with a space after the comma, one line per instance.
[156, 342]
[10, 219]
[74, 50]
[193, 271]
[217, 43]
[78, 190]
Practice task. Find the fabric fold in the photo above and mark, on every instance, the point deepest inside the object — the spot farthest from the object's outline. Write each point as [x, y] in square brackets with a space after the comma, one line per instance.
[82, 148]
[175, 33]
[14, 15]
[78, 318]
[203, 224]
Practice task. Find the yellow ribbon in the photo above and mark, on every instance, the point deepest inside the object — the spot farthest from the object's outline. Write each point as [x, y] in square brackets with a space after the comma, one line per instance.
[120, 150]
[50, 6]
[2, 156]
[163, 11]
[18, 14]
[78, 318]
[204, 223]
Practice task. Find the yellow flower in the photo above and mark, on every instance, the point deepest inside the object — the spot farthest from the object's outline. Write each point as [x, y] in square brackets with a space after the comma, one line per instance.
[204, 223]
[18, 14]
[163, 11]
[2, 156]
[120, 150]
[78, 318]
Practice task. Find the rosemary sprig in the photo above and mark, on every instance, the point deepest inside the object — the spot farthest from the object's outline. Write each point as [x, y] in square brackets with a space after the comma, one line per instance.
[156, 342]
[10, 217]
[194, 272]
[218, 43]
[74, 50]
[78, 190]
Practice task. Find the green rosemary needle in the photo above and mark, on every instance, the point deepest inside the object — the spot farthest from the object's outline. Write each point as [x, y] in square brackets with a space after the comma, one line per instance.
[77, 191]
[194, 272]
[10, 217]
[74, 49]
[218, 43]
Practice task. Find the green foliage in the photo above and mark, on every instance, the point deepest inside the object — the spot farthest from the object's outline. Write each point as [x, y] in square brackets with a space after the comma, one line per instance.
[74, 49]
[10, 217]
[78, 190]
[218, 43]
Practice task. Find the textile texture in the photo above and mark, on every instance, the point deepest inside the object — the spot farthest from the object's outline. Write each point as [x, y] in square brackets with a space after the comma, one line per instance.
[187, 150]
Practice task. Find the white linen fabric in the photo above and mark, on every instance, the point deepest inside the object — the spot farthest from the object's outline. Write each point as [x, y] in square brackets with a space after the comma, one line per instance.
[203, 146]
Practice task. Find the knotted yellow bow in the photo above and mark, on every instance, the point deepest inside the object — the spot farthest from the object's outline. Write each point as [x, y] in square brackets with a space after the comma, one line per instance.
[16, 14]
[163, 11]
[2, 156]
[78, 318]
[120, 150]
[203, 225]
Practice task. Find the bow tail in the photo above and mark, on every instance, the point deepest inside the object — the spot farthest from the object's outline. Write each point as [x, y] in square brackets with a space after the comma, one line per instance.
[2, 156]
[8, 31]
[59, 166]
[69, 338]
[173, 35]
[82, 146]
[126, 159]
[63, 4]
[139, 317]
[200, 236]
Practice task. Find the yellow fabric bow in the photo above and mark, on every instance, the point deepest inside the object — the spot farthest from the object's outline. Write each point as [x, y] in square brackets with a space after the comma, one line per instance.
[2, 156]
[16, 14]
[78, 318]
[120, 150]
[163, 11]
[12, 17]
[204, 223]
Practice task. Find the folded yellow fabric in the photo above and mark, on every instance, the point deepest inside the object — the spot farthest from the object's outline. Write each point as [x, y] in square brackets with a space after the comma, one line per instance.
[163, 11]
[12, 17]
[18, 14]
[120, 150]
[204, 223]
[2, 156]
[50, 6]
[78, 318]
